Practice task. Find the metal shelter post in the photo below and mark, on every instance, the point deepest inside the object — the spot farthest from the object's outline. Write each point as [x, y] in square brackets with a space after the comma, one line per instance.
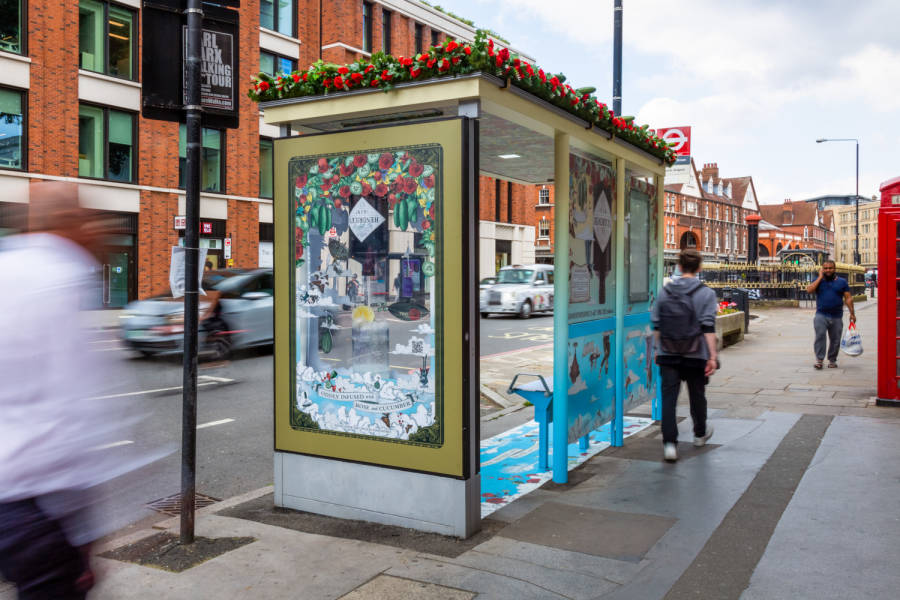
[616, 427]
[561, 312]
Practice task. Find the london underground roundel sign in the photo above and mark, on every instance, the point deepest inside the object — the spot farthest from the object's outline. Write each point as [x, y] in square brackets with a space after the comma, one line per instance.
[680, 137]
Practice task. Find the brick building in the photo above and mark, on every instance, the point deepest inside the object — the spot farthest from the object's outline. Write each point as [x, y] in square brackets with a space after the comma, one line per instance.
[707, 212]
[796, 225]
[70, 100]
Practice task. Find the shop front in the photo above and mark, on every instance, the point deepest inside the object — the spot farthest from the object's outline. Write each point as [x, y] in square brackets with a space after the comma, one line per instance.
[212, 237]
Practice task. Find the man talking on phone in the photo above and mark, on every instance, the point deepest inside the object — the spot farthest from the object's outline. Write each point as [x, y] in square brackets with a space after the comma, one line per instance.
[832, 292]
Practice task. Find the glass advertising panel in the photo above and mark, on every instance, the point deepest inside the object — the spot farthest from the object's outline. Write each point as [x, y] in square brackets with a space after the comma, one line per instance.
[368, 228]
[592, 295]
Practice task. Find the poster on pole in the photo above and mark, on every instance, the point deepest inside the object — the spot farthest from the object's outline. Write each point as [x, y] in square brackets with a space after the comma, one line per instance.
[177, 271]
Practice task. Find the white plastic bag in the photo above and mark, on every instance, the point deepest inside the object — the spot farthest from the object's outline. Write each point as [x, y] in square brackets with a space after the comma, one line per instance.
[851, 342]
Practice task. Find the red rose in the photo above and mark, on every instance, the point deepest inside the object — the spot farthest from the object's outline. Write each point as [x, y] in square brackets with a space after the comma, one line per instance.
[386, 76]
[451, 46]
[415, 73]
[323, 165]
[455, 60]
[467, 50]
[431, 210]
[337, 202]
[343, 70]
[377, 175]
[299, 253]
[381, 190]
[392, 199]
[366, 189]
[359, 160]
[305, 76]
[503, 54]
[415, 169]
[428, 181]
[445, 64]
[426, 225]
[338, 82]
[410, 185]
[385, 161]
[326, 185]
[346, 170]
[424, 56]
[300, 181]
[430, 63]
[263, 86]
[326, 83]
[344, 191]
[356, 76]
[374, 82]
[296, 78]
[369, 68]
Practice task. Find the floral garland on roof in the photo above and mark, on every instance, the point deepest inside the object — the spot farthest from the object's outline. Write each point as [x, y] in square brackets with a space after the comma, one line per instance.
[384, 71]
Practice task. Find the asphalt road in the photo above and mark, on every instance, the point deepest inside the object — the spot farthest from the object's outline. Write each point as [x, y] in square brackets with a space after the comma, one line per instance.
[235, 422]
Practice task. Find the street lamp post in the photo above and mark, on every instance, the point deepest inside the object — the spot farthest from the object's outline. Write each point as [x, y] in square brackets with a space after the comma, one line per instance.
[856, 199]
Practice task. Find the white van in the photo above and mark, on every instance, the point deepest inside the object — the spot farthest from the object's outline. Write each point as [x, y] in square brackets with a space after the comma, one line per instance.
[520, 290]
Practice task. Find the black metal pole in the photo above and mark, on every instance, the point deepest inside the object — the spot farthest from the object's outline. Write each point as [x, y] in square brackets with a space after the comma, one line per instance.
[191, 241]
[617, 57]
[856, 260]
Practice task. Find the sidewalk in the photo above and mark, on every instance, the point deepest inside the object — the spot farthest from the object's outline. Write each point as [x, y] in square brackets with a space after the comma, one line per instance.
[794, 497]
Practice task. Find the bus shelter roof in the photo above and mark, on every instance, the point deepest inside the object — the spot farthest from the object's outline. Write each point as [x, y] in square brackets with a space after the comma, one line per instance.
[517, 129]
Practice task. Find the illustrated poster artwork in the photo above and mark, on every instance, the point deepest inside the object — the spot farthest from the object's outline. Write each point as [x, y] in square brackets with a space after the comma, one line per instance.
[365, 240]
[592, 192]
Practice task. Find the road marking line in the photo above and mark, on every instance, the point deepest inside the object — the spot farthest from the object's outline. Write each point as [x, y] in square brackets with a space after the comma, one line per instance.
[528, 349]
[214, 381]
[114, 445]
[214, 423]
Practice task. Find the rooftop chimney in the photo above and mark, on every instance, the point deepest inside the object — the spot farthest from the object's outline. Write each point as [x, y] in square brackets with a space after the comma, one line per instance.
[711, 170]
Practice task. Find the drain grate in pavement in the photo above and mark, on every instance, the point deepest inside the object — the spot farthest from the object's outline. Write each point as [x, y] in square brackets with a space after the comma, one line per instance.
[171, 505]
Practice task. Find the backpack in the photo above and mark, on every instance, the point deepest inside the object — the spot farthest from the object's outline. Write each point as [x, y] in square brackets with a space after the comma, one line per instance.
[679, 329]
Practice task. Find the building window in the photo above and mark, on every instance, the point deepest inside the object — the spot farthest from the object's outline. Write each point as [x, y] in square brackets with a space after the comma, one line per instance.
[420, 34]
[435, 38]
[277, 15]
[367, 27]
[266, 167]
[106, 38]
[386, 31]
[12, 129]
[544, 228]
[273, 65]
[212, 172]
[805, 232]
[105, 143]
[706, 239]
[544, 196]
[11, 29]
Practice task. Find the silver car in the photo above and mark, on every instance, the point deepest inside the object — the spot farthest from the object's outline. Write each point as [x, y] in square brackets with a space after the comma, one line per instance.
[520, 290]
[236, 312]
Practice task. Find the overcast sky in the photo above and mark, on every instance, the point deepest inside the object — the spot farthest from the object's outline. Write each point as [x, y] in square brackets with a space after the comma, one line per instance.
[758, 81]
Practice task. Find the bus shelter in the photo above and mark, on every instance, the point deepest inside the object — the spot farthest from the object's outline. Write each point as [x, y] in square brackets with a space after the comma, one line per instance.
[376, 313]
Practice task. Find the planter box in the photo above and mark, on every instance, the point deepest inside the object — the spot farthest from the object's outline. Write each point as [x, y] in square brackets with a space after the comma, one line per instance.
[730, 329]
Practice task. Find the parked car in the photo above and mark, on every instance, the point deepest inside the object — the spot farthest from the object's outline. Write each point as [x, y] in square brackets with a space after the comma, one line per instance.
[520, 290]
[236, 312]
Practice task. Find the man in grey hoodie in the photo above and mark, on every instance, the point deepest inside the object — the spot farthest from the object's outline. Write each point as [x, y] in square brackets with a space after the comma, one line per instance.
[692, 365]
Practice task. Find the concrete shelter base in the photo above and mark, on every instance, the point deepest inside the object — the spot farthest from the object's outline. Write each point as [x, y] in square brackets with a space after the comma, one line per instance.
[378, 494]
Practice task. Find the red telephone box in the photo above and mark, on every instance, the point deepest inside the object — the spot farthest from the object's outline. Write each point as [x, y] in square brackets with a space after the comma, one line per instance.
[889, 294]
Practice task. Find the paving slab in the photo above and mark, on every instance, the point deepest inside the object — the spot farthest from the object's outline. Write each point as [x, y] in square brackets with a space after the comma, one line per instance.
[487, 586]
[611, 534]
[617, 571]
[837, 538]
[386, 587]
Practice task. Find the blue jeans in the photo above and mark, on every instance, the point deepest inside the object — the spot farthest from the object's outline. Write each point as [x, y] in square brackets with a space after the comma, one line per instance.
[833, 328]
